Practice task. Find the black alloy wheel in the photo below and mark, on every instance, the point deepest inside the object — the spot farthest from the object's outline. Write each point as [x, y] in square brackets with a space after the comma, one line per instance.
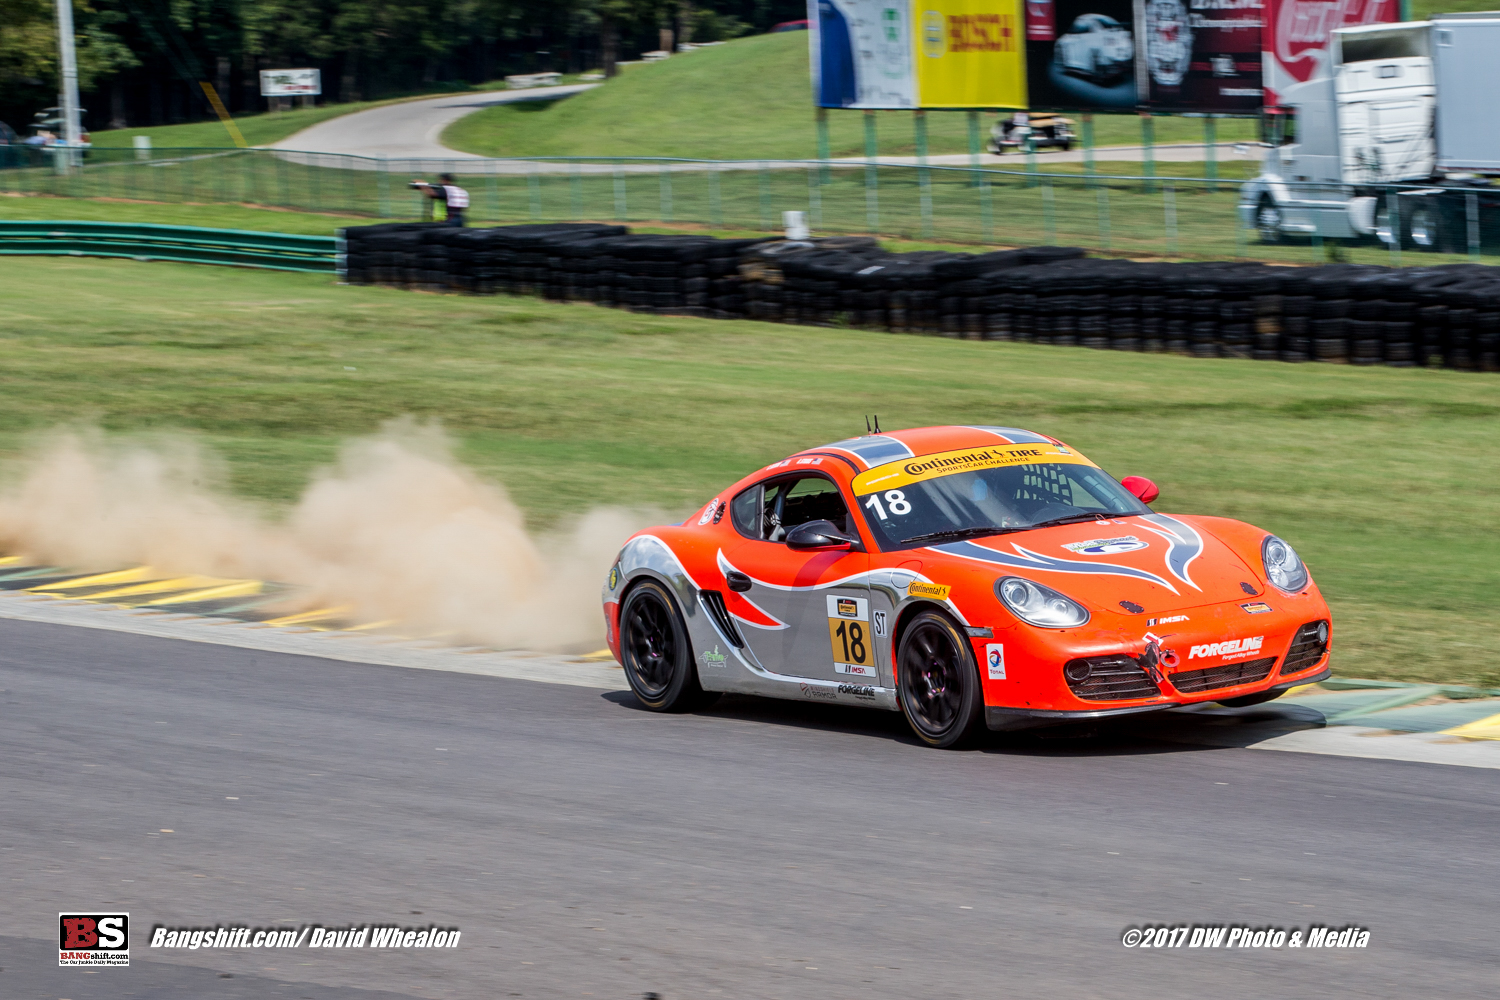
[658, 658]
[939, 682]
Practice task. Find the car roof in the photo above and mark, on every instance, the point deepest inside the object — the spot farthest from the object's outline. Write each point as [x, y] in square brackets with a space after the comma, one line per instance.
[871, 450]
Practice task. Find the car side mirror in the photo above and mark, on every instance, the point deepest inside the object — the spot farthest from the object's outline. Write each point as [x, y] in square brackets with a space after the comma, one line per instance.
[1141, 488]
[819, 535]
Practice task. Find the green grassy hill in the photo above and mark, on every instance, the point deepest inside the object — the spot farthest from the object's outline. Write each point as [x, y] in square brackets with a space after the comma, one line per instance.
[746, 99]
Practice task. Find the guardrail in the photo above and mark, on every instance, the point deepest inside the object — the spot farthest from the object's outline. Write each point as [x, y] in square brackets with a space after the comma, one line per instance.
[185, 244]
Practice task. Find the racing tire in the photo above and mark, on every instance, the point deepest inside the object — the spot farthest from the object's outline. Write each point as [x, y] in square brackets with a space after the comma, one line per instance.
[656, 652]
[937, 682]
[1246, 700]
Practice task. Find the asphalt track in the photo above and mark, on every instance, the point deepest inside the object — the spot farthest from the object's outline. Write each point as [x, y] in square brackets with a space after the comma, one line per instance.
[588, 848]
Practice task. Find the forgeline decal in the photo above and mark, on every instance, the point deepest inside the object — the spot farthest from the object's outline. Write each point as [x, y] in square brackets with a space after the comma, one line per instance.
[1228, 648]
[1256, 608]
[858, 690]
[936, 591]
[1107, 546]
[714, 660]
[916, 470]
[1167, 620]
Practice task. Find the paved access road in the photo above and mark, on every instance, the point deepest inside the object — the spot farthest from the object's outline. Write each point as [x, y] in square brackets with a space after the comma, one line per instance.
[587, 848]
[410, 128]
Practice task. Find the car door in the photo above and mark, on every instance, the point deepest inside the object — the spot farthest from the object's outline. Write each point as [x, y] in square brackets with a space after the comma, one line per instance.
[802, 613]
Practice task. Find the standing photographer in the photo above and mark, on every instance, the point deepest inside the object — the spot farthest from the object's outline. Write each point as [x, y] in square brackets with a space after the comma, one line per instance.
[453, 197]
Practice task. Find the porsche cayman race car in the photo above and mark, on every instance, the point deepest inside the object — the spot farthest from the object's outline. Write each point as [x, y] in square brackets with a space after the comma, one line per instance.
[966, 577]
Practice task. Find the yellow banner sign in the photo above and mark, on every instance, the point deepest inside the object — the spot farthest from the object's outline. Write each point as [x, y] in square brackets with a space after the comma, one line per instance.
[894, 475]
[969, 53]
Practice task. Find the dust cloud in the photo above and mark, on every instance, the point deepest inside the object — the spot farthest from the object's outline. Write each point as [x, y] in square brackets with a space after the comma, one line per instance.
[397, 529]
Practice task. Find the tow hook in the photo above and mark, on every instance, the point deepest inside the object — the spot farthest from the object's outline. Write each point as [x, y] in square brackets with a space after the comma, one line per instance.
[1154, 657]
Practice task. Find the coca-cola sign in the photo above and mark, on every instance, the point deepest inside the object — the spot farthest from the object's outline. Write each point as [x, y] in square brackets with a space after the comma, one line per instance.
[1297, 32]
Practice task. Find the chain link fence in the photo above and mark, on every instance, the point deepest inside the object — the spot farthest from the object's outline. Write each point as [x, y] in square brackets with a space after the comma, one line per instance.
[1112, 214]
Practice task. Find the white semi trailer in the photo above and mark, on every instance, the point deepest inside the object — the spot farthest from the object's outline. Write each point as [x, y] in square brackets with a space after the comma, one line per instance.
[1401, 142]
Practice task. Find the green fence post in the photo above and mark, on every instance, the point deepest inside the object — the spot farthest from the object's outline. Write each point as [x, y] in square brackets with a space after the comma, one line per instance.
[814, 200]
[974, 148]
[872, 176]
[1393, 208]
[1088, 147]
[1104, 216]
[715, 206]
[765, 196]
[492, 187]
[286, 191]
[1030, 146]
[924, 181]
[534, 189]
[1471, 211]
[1169, 210]
[823, 145]
[1049, 212]
[620, 204]
[383, 186]
[1210, 152]
[1148, 151]
[665, 181]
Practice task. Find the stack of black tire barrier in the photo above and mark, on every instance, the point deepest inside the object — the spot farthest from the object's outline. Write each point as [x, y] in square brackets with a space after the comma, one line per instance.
[1448, 315]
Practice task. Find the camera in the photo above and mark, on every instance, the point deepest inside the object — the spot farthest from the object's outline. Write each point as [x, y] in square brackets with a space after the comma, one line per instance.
[417, 184]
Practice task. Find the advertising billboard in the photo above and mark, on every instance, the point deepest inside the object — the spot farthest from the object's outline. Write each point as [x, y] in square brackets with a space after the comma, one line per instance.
[290, 82]
[969, 54]
[1199, 55]
[861, 53]
[917, 53]
[1081, 54]
[1296, 38]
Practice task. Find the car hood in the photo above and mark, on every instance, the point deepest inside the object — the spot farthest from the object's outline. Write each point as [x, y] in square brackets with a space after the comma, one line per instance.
[1155, 561]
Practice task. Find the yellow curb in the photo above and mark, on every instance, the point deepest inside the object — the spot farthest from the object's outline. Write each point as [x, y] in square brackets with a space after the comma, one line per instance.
[238, 588]
[98, 580]
[1480, 729]
[312, 616]
[161, 587]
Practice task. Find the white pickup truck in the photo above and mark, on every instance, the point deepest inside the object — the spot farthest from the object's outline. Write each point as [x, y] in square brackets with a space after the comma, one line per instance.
[1401, 142]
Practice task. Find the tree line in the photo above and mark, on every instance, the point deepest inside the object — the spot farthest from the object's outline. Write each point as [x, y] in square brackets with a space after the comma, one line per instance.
[141, 62]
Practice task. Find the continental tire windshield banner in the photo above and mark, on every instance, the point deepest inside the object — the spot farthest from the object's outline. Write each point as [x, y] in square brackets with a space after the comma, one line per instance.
[917, 53]
[1199, 55]
[861, 53]
[969, 54]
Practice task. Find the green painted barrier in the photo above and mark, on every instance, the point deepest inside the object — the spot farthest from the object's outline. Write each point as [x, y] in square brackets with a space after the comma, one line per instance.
[185, 244]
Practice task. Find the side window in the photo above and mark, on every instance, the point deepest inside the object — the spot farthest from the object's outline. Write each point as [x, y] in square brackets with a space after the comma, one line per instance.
[744, 511]
[812, 499]
[769, 510]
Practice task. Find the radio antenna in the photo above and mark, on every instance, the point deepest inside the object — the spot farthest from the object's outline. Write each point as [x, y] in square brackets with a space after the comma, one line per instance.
[877, 423]
[867, 423]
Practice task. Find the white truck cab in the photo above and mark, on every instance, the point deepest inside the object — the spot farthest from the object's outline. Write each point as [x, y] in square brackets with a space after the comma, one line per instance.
[1398, 139]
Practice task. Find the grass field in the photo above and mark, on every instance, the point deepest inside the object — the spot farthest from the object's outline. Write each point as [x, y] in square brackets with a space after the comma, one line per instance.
[746, 99]
[573, 406]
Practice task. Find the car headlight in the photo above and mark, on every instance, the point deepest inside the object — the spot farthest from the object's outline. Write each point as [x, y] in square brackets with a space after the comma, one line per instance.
[1283, 568]
[1038, 605]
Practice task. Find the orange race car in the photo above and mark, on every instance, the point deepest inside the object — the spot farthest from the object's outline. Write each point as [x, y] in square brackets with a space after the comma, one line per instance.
[964, 576]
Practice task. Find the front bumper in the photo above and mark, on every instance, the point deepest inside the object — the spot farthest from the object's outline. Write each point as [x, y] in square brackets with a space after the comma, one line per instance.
[1011, 719]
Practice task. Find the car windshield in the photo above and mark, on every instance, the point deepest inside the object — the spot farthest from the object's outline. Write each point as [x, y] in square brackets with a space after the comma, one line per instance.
[993, 501]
